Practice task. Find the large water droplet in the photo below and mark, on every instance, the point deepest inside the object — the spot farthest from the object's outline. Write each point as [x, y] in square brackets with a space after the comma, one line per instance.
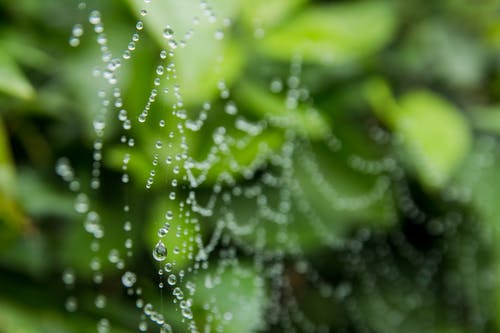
[160, 251]
[95, 17]
[172, 279]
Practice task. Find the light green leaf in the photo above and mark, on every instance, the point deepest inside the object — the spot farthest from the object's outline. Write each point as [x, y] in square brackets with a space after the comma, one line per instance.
[12, 80]
[434, 134]
[333, 34]
[268, 13]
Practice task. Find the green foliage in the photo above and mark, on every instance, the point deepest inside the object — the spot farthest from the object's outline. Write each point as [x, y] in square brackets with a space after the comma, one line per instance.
[397, 110]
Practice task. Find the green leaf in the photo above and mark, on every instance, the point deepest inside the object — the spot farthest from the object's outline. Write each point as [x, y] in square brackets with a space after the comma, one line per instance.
[434, 134]
[23, 50]
[333, 34]
[39, 199]
[478, 182]
[438, 50]
[486, 118]
[12, 218]
[12, 80]
[268, 13]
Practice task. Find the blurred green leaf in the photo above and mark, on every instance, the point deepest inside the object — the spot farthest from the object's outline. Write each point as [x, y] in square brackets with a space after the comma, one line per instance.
[39, 199]
[12, 80]
[433, 132]
[12, 218]
[264, 14]
[333, 34]
[20, 47]
[478, 183]
[17, 318]
[28, 254]
[439, 50]
[486, 118]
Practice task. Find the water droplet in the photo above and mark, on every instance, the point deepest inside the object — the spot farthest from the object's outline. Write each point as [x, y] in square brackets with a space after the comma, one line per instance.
[71, 304]
[103, 326]
[95, 17]
[127, 226]
[178, 293]
[168, 33]
[163, 231]
[99, 124]
[127, 124]
[187, 313]
[276, 86]
[139, 25]
[128, 279]
[173, 44]
[68, 276]
[125, 178]
[100, 301]
[113, 256]
[81, 203]
[228, 316]
[219, 34]
[129, 243]
[74, 41]
[231, 108]
[159, 251]
[143, 326]
[172, 279]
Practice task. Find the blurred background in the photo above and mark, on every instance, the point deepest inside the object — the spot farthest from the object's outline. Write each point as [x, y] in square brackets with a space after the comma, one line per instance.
[356, 165]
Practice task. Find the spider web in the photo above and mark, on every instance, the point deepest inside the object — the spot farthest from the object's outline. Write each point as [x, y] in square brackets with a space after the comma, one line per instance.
[254, 212]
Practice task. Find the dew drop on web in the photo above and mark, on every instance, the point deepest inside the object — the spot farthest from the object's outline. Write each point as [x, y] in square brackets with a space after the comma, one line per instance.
[160, 251]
